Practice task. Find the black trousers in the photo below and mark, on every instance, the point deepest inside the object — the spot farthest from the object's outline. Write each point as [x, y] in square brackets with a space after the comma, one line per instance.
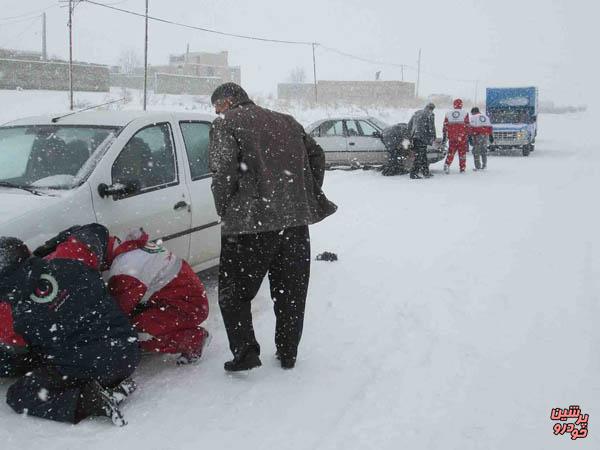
[43, 391]
[421, 163]
[245, 260]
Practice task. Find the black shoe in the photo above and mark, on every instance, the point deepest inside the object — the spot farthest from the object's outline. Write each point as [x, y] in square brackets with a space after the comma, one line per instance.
[246, 362]
[428, 175]
[287, 363]
[194, 356]
[125, 388]
[98, 401]
[414, 176]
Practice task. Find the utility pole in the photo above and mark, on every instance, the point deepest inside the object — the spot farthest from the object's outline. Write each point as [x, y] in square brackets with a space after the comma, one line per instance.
[71, 55]
[402, 69]
[418, 74]
[315, 72]
[44, 49]
[146, 62]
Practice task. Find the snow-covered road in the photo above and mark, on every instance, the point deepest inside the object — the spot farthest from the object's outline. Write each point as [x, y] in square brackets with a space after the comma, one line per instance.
[461, 311]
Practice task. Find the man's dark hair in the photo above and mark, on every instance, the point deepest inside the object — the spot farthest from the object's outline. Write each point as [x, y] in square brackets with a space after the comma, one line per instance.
[229, 90]
[474, 110]
[430, 106]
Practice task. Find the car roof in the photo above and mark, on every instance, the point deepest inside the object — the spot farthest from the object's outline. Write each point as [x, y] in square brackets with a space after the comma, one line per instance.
[107, 118]
[319, 122]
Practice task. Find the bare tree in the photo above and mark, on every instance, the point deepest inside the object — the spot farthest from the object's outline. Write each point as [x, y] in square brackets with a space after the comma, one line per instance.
[297, 75]
[129, 60]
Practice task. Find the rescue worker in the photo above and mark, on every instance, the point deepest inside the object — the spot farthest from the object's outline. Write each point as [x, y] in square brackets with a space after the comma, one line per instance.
[480, 135]
[456, 132]
[422, 132]
[160, 293]
[63, 335]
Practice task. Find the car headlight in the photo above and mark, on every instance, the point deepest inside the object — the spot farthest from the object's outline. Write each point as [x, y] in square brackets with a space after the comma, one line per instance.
[405, 144]
[523, 134]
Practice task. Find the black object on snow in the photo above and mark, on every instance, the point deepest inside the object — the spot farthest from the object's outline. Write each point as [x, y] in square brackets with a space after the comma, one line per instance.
[327, 256]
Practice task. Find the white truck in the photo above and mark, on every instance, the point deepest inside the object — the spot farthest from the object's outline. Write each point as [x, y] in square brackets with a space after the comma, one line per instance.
[121, 169]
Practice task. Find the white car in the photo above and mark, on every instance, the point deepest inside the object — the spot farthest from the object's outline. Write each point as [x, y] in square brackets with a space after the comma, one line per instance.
[121, 169]
[357, 141]
[350, 140]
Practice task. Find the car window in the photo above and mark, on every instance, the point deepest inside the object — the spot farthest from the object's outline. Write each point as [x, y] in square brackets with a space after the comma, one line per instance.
[148, 159]
[49, 156]
[331, 128]
[196, 136]
[352, 128]
[367, 129]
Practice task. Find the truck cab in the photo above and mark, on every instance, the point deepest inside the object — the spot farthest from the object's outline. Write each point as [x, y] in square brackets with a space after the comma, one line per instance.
[513, 113]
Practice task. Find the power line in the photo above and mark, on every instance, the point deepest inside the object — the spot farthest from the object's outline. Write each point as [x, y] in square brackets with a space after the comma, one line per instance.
[25, 17]
[17, 37]
[31, 13]
[192, 27]
[366, 60]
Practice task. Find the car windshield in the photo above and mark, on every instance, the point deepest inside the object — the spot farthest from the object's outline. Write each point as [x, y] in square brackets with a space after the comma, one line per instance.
[50, 156]
[511, 115]
[378, 123]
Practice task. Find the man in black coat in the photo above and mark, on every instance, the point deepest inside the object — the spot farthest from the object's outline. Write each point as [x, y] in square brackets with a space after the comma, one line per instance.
[69, 342]
[422, 130]
[267, 178]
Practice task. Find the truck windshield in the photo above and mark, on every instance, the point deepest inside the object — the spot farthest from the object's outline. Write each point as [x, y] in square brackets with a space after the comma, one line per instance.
[50, 156]
[509, 115]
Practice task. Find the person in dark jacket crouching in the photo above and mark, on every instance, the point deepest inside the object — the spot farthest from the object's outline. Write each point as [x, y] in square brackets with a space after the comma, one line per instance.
[63, 335]
[267, 178]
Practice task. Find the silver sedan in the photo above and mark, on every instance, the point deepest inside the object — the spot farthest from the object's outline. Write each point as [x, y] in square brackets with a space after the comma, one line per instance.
[350, 141]
[356, 141]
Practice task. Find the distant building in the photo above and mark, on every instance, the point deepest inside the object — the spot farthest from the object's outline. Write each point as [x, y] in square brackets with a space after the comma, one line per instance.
[203, 64]
[360, 93]
[27, 70]
[196, 73]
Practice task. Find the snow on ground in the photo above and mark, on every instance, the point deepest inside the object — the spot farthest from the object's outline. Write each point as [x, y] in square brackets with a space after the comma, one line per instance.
[461, 311]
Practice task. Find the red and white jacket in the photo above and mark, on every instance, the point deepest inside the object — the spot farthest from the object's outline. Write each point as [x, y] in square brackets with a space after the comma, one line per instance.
[147, 274]
[480, 125]
[456, 123]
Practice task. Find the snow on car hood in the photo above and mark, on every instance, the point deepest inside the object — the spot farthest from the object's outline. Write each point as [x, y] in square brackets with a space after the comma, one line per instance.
[15, 203]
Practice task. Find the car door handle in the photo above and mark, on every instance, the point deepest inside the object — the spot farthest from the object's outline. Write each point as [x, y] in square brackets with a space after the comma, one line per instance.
[180, 205]
[351, 143]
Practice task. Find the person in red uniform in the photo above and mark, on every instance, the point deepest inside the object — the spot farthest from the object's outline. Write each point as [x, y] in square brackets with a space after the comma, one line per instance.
[163, 297]
[480, 135]
[456, 132]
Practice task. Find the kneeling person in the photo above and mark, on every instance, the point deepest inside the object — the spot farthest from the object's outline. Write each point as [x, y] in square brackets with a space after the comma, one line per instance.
[164, 298]
[64, 336]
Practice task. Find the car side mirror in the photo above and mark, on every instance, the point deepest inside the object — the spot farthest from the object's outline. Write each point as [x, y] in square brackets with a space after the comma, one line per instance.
[118, 190]
[377, 134]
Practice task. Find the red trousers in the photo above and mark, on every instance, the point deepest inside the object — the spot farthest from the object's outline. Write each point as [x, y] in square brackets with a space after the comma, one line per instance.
[170, 321]
[461, 147]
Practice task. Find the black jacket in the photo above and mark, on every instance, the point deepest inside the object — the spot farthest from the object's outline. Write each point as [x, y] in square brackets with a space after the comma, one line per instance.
[422, 126]
[63, 311]
[267, 172]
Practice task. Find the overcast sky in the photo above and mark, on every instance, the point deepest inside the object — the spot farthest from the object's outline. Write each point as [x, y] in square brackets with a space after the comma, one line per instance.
[548, 43]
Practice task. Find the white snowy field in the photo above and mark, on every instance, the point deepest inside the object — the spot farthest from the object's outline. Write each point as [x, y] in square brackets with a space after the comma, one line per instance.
[461, 311]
